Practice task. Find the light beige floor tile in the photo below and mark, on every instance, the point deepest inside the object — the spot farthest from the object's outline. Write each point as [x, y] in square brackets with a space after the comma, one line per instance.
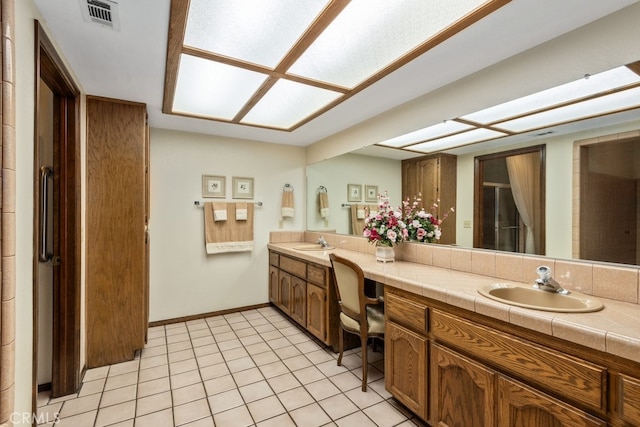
[255, 391]
[352, 362]
[209, 359]
[283, 382]
[287, 352]
[153, 351]
[308, 347]
[346, 381]
[246, 332]
[184, 379]
[278, 343]
[274, 369]
[203, 341]
[283, 420]
[356, 419]
[149, 388]
[206, 349]
[92, 387]
[237, 417]
[379, 387]
[178, 346]
[249, 340]
[297, 362]
[51, 412]
[310, 416]
[95, 373]
[204, 422]
[308, 375]
[234, 354]
[384, 414]
[248, 376]
[153, 403]
[123, 394]
[226, 336]
[331, 368]
[184, 336]
[298, 338]
[199, 333]
[265, 408]
[86, 419]
[363, 399]
[124, 368]
[181, 355]
[183, 366]
[154, 342]
[265, 358]
[241, 364]
[157, 419]
[214, 371]
[79, 405]
[322, 389]
[221, 329]
[295, 398]
[116, 413]
[338, 406]
[218, 385]
[153, 373]
[119, 381]
[151, 362]
[188, 394]
[240, 325]
[229, 344]
[320, 356]
[224, 401]
[42, 398]
[257, 348]
[191, 411]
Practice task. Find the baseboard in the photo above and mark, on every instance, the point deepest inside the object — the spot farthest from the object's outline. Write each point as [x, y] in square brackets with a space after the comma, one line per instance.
[205, 315]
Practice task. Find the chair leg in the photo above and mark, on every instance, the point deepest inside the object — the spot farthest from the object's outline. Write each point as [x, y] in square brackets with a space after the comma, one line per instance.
[365, 364]
[341, 343]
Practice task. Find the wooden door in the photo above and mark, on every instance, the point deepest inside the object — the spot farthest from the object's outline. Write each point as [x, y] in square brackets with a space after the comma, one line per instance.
[273, 284]
[462, 391]
[523, 406]
[299, 301]
[406, 367]
[284, 291]
[116, 252]
[316, 311]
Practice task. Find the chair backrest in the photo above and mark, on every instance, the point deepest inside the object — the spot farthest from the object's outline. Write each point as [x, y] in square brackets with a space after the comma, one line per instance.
[349, 280]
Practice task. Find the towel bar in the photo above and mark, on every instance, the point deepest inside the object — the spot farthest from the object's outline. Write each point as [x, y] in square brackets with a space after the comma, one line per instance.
[199, 204]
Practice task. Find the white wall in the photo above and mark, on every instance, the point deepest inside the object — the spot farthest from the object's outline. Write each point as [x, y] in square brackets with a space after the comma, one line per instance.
[336, 173]
[184, 279]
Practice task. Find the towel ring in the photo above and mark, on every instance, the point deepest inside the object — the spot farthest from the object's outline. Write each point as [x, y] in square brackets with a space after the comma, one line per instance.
[287, 187]
[321, 189]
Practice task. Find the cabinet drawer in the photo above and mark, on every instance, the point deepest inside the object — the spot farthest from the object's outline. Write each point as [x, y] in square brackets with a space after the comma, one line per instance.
[630, 399]
[274, 259]
[406, 312]
[293, 266]
[557, 372]
[316, 275]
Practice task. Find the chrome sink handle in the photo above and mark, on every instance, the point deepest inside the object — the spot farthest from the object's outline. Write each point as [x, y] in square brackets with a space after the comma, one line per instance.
[322, 242]
[546, 283]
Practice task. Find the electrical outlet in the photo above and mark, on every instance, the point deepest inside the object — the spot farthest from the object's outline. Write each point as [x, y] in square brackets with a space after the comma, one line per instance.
[467, 223]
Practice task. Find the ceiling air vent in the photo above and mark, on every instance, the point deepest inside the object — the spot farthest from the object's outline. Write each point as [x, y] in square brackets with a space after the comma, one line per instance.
[101, 12]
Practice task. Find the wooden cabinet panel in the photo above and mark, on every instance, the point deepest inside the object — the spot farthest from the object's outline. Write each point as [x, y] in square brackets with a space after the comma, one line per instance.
[555, 371]
[298, 307]
[317, 275]
[116, 200]
[317, 311]
[406, 367]
[273, 284]
[406, 312]
[456, 379]
[284, 291]
[522, 406]
[274, 259]
[629, 399]
[293, 266]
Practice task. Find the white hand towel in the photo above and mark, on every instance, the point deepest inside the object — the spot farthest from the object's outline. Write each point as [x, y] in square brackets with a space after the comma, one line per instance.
[360, 213]
[219, 211]
[241, 211]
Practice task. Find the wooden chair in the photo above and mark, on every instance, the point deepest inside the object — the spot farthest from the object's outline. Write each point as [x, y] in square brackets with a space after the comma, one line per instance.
[359, 314]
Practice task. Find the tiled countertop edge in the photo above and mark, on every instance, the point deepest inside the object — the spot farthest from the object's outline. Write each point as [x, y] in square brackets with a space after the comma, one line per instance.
[612, 330]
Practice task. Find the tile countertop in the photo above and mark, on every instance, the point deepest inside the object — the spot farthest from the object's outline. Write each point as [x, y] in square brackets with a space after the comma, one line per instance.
[614, 329]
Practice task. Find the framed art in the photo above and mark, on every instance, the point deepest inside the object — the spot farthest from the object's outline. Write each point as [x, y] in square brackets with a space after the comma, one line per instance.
[354, 192]
[214, 186]
[242, 188]
[370, 193]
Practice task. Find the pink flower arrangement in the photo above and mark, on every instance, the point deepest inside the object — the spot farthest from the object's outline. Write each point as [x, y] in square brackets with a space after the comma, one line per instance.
[422, 226]
[385, 227]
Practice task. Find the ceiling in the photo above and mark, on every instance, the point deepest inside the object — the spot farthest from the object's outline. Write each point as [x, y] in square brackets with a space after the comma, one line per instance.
[129, 62]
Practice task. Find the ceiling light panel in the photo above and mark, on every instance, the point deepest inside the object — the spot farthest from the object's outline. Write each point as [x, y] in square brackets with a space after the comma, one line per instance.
[584, 87]
[445, 128]
[603, 105]
[370, 34]
[287, 103]
[256, 31]
[211, 89]
[464, 138]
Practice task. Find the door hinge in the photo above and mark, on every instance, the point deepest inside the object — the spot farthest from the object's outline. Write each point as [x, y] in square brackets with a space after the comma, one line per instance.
[55, 260]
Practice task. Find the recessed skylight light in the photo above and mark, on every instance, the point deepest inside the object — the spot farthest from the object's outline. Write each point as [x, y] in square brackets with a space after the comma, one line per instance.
[334, 49]
[457, 140]
[441, 129]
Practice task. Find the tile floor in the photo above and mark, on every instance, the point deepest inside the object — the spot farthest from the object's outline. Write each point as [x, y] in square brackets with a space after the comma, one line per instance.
[253, 368]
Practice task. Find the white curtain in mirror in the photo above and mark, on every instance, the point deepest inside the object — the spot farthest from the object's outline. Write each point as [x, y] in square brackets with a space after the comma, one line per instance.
[524, 175]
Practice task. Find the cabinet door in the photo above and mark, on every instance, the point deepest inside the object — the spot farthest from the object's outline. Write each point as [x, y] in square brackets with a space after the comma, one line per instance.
[298, 305]
[630, 399]
[523, 406]
[316, 311]
[273, 284]
[284, 291]
[406, 367]
[456, 379]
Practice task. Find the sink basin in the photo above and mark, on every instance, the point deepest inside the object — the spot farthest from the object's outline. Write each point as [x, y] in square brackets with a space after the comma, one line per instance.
[538, 299]
[312, 247]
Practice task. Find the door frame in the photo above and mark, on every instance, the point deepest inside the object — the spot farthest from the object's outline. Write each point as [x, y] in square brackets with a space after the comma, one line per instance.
[67, 184]
[478, 180]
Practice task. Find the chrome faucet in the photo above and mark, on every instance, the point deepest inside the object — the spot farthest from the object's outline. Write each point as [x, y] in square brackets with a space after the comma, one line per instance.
[546, 283]
[322, 242]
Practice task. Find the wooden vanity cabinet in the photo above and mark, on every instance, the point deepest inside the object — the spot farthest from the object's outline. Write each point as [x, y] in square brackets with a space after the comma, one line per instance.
[434, 177]
[316, 311]
[456, 368]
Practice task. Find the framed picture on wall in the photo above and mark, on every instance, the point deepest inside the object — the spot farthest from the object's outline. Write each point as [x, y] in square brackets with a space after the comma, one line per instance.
[354, 192]
[242, 188]
[214, 186]
[370, 193]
